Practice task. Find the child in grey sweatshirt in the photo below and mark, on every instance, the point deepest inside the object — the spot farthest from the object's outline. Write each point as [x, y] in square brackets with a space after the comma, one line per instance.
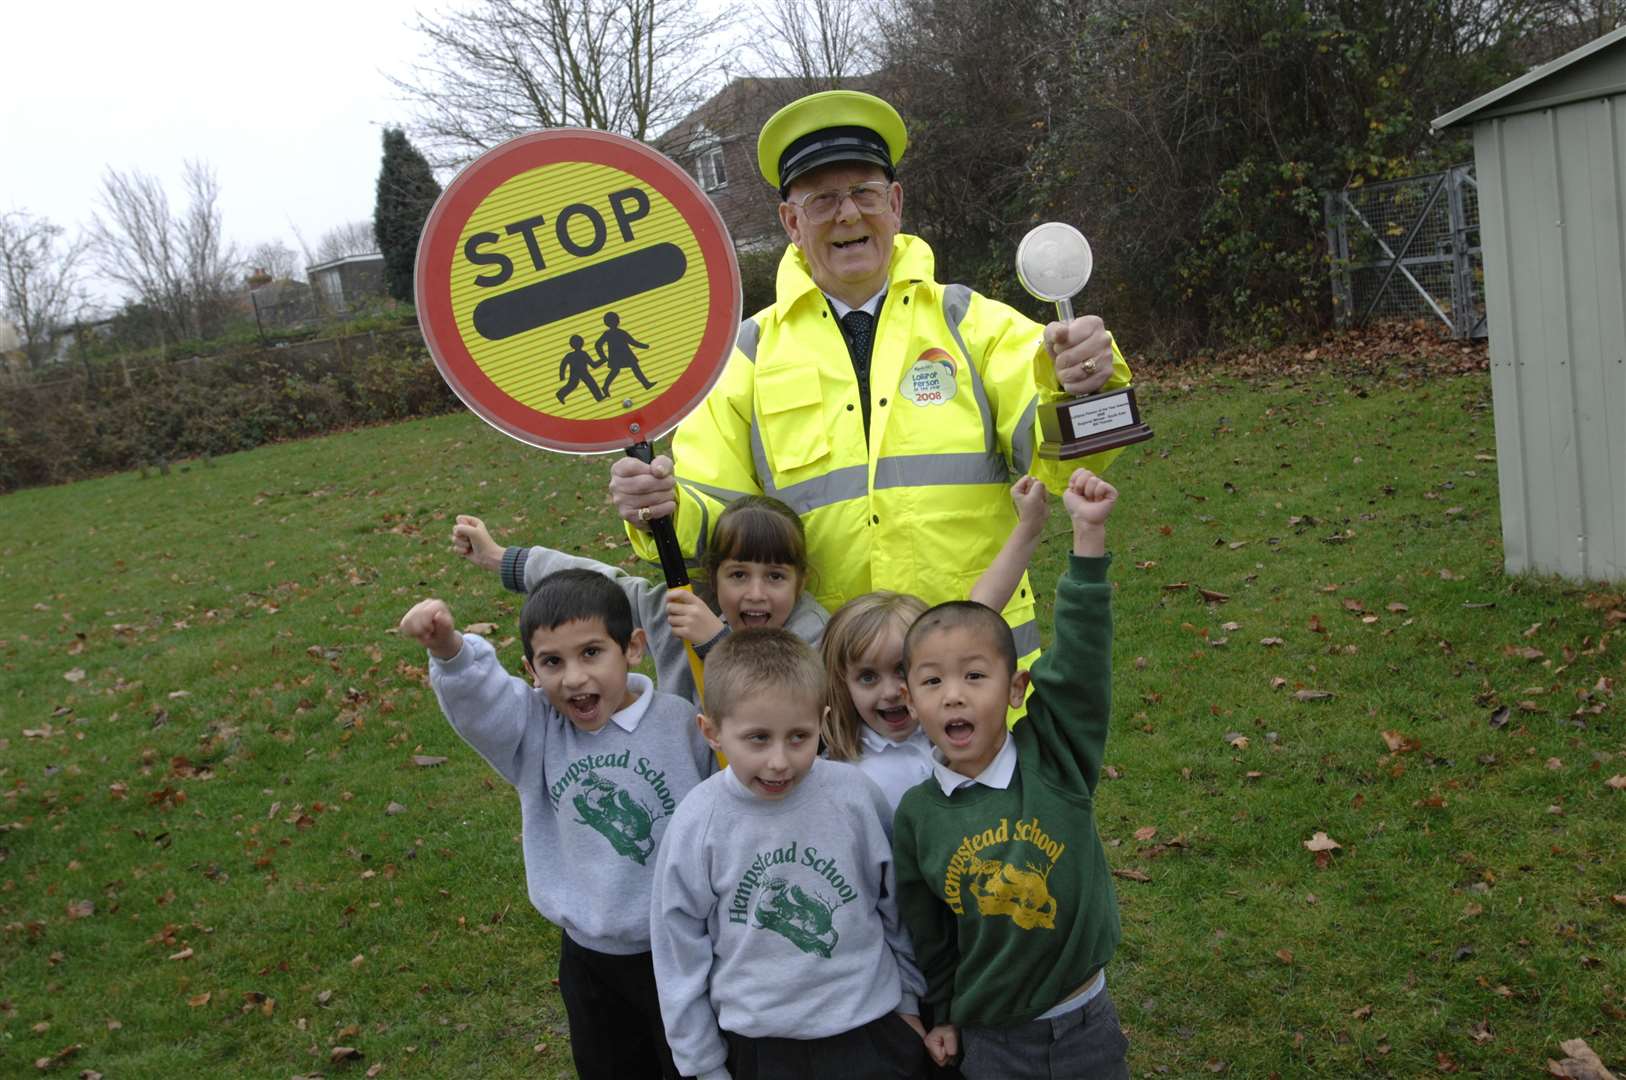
[600, 760]
[774, 925]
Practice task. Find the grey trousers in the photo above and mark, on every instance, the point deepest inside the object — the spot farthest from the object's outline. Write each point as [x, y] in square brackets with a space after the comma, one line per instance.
[1085, 1044]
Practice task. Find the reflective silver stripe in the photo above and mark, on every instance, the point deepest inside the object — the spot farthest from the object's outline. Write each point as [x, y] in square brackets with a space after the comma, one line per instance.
[746, 341]
[1027, 637]
[722, 495]
[705, 525]
[956, 303]
[926, 470]
[759, 457]
[1024, 438]
[837, 485]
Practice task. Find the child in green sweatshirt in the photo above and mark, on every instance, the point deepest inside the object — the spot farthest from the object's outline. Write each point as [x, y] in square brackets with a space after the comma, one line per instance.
[1002, 880]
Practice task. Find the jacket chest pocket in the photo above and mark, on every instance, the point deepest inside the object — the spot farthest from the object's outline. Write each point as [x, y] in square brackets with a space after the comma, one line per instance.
[790, 411]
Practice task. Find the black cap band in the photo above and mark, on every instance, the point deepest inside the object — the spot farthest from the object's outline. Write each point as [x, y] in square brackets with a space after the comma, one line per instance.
[832, 144]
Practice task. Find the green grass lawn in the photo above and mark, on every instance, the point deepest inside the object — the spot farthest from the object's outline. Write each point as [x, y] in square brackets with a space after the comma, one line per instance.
[226, 849]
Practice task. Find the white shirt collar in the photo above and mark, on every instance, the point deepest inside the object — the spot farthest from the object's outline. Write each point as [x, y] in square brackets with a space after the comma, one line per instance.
[627, 719]
[876, 743]
[872, 305]
[997, 775]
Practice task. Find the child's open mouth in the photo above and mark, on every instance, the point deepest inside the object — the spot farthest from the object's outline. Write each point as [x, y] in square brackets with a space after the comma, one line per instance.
[959, 732]
[895, 718]
[755, 618]
[583, 708]
[775, 787]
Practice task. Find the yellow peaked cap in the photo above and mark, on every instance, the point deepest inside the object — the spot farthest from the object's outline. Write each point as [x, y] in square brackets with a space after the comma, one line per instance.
[836, 125]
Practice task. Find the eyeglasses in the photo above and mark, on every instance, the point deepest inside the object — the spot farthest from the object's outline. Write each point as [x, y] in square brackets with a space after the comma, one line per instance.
[870, 197]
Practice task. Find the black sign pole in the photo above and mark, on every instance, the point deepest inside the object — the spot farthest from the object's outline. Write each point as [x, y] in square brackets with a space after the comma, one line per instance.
[662, 529]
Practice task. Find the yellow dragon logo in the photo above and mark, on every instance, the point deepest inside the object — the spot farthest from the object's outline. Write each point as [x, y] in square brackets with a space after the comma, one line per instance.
[1024, 895]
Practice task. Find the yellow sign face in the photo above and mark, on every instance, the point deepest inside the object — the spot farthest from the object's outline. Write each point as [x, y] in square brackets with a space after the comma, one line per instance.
[575, 303]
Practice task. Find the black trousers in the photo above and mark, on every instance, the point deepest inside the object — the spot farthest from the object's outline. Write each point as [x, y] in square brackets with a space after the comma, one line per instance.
[886, 1048]
[615, 1015]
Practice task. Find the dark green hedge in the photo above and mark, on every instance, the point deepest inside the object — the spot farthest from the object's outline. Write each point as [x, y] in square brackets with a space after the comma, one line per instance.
[86, 423]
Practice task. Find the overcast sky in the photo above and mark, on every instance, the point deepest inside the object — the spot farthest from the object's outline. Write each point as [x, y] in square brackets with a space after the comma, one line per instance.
[285, 100]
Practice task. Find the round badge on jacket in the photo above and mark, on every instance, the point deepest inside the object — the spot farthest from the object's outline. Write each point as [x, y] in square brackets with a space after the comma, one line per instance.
[930, 379]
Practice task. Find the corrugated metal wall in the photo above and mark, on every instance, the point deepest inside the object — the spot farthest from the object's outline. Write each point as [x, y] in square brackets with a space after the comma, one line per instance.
[1552, 186]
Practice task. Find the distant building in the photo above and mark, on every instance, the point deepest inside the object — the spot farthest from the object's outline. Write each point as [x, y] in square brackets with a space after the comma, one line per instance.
[342, 284]
[717, 145]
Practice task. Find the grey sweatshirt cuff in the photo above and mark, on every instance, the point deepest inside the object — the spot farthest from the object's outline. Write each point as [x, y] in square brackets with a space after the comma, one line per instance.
[458, 664]
[706, 646]
[719, 1073]
[909, 1006]
[512, 570]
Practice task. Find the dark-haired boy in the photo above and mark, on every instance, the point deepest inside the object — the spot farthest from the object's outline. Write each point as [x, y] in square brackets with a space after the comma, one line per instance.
[600, 761]
[1002, 879]
[775, 926]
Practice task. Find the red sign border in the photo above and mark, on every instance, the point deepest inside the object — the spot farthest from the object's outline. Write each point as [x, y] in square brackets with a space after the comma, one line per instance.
[437, 256]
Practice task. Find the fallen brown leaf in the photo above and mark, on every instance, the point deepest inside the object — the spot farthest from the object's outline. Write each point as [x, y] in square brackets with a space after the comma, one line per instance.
[427, 761]
[1130, 874]
[1312, 695]
[1580, 1063]
[1322, 842]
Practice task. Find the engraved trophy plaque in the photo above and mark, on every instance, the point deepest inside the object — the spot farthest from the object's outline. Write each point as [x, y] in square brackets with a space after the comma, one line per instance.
[1053, 262]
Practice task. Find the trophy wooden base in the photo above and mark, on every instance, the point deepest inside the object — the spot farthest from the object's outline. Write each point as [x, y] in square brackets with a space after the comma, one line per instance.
[1079, 426]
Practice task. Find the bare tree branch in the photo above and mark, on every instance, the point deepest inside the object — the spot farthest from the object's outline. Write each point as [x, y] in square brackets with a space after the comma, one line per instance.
[817, 43]
[351, 238]
[181, 266]
[39, 280]
[502, 68]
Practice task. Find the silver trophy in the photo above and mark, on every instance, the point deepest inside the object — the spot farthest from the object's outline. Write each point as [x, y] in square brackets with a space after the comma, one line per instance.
[1053, 263]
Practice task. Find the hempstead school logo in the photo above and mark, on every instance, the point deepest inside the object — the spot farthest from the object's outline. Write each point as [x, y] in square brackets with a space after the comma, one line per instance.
[626, 820]
[803, 914]
[997, 885]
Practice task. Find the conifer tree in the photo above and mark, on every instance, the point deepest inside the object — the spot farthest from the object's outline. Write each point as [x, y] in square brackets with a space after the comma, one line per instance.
[407, 190]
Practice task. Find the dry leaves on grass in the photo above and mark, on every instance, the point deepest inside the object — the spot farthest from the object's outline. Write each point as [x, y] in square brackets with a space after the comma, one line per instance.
[1398, 743]
[1580, 1063]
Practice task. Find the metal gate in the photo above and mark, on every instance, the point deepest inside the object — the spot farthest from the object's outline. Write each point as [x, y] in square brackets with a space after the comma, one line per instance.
[1409, 248]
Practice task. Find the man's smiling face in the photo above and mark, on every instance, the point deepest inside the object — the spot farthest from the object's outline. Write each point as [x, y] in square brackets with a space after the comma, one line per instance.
[849, 255]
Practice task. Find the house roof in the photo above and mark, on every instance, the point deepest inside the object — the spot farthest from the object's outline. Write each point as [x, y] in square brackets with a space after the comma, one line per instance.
[331, 263]
[1594, 70]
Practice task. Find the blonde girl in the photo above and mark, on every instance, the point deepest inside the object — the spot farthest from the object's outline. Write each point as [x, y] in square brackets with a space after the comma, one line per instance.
[868, 721]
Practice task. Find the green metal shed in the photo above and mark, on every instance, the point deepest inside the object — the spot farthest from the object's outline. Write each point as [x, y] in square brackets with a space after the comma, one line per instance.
[1550, 150]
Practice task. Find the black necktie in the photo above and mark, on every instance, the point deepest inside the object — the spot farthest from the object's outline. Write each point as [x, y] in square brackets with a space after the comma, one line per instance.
[860, 327]
[860, 338]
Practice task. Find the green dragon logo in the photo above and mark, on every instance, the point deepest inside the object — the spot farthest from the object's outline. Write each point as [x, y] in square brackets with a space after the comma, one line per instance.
[622, 820]
[804, 919]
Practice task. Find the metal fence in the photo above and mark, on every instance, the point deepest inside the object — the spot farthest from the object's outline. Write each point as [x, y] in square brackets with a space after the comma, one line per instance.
[1408, 249]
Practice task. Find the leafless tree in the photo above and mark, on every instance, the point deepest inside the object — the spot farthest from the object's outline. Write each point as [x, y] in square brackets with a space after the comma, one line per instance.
[501, 68]
[351, 238]
[279, 261]
[182, 266]
[818, 44]
[39, 280]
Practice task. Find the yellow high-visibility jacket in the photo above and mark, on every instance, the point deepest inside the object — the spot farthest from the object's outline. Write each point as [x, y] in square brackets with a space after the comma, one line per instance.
[923, 505]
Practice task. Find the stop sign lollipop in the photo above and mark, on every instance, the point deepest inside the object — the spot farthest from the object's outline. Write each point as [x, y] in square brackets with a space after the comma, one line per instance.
[579, 292]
